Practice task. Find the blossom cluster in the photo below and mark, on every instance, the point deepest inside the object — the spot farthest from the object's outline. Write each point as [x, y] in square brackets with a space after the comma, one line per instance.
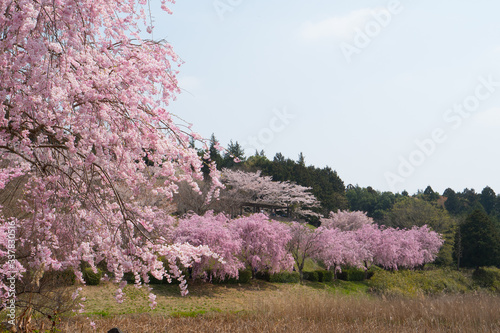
[253, 187]
[351, 238]
[254, 241]
[85, 135]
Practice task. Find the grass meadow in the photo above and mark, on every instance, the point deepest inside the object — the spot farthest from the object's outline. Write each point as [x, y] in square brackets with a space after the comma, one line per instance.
[260, 306]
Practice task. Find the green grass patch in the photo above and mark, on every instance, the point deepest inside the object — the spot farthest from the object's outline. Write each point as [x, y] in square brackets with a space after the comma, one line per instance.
[409, 283]
[350, 287]
[311, 265]
[101, 313]
[187, 314]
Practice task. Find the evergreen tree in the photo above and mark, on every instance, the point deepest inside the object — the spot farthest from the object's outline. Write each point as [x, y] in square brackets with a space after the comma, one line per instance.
[430, 195]
[279, 158]
[234, 151]
[301, 161]
[488, 199]
[478, 241]
[215, 156]
[470, 199]
[452, 203]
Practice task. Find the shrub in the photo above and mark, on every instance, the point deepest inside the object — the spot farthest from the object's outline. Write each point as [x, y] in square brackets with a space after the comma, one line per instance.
[245, 276]
[320, 275]
[352, 274]
[62, 278]
[324, 276]
[487, 277]
[285, 277]
[227, 280]
[91, 278]
[67, 277]
[129, 277]
[311, 276]
[264, 275]
[328, 276]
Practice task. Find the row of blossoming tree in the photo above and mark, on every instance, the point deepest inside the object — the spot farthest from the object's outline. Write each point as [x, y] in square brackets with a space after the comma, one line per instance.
[345, 238]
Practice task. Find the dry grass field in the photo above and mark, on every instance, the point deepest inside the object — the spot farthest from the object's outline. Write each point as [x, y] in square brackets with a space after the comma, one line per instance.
[267, 307]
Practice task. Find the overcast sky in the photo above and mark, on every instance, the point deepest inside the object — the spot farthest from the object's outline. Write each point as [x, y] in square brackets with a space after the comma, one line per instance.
[391, 94]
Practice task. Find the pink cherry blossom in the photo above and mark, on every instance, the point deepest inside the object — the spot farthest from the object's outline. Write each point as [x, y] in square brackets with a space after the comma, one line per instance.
[263, 243]
[305, 242]
[345, 220]
[84, 124]
[214, 232]
[351, 238]
[250, 187]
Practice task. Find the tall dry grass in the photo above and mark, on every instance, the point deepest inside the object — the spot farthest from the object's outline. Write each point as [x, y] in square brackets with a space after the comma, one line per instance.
[325, 313]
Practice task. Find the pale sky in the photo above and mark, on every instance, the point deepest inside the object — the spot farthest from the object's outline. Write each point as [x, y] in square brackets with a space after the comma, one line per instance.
[391, 94]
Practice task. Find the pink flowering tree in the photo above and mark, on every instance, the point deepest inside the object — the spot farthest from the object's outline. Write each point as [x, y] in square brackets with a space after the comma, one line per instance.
[83, 122]
[350, 239]
[420, 245]
[407, 248]
[263, 243]
[306, 242]
[213, 231]
[388, 252]
[430, 243]
[340, 248]
[368, 238]
[345, 220]
[253, 188]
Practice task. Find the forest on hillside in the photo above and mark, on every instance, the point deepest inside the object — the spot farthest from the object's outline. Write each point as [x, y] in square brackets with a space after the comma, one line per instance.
[333, 194]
